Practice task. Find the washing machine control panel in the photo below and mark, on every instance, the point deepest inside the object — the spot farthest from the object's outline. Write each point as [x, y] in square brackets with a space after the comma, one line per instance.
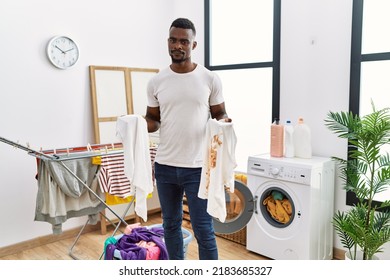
[290, 173]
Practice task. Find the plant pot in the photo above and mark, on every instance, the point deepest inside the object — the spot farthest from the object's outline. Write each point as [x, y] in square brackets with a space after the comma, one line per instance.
[359, 256]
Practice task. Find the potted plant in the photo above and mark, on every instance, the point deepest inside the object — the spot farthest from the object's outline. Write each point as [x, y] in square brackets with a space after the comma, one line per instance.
[365, 226]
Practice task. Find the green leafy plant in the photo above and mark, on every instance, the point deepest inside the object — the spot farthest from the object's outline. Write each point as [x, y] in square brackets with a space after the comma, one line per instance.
[366, 172]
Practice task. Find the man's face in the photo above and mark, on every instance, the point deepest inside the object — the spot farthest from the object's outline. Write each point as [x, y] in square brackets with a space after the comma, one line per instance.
[180, 44]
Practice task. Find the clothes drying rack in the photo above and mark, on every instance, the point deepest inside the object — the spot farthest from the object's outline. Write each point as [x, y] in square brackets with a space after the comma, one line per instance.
[64, 154]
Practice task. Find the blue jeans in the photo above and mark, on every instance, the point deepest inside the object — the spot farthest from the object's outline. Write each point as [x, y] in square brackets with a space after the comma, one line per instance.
[172, 183]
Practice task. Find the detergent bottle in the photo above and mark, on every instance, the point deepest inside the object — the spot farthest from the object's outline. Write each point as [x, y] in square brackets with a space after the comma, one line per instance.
[302, 140]
[288, 140]
[277, 138]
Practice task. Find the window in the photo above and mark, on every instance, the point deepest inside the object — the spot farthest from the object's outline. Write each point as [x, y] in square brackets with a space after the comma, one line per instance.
[370, 62]
[243, 46]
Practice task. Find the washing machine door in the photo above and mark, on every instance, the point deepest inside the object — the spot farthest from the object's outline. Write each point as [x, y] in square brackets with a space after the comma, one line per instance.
[239, 209]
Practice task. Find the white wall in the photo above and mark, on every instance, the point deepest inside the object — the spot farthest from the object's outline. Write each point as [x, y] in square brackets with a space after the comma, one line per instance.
[315, 61]
[51, 108]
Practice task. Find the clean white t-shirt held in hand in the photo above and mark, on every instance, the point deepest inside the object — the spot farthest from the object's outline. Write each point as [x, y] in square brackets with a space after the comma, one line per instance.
[132, 130]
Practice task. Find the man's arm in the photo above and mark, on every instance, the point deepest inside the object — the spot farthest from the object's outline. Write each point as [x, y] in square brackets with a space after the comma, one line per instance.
[218, 112]
[153, 118]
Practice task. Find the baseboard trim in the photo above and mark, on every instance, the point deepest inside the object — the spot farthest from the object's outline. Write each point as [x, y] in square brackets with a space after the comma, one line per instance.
[43, 240]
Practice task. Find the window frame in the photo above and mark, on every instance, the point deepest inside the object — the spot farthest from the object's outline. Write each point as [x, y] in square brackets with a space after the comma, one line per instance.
[275, 63]
[357, 58]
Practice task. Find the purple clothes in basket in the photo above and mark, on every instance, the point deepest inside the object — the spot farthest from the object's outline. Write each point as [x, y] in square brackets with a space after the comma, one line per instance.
[128, 248]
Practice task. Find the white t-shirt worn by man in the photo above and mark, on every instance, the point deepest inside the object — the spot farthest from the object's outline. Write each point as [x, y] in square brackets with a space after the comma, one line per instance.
[184, 100]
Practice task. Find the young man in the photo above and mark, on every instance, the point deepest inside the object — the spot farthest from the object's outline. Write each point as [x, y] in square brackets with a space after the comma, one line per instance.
[181, 99]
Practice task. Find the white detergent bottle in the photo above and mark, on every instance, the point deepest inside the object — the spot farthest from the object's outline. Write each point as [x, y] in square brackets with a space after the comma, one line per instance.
[302, 140]
[288, 140]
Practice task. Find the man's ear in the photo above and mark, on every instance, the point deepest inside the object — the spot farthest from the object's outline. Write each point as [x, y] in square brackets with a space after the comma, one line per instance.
[194, 44]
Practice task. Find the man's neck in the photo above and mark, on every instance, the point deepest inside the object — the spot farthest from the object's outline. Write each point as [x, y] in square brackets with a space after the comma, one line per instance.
[184, 67]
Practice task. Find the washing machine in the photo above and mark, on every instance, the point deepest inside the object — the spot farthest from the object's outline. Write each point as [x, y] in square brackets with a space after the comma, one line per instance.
[293, 207]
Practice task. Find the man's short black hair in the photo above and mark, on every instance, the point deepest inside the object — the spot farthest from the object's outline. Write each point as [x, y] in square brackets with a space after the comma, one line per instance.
[183, 23]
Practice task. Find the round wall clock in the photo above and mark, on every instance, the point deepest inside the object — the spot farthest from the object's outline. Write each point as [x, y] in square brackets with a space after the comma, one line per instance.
[62, 52]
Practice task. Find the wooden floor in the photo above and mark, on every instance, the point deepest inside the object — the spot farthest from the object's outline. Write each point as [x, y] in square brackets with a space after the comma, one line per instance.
[90, 247]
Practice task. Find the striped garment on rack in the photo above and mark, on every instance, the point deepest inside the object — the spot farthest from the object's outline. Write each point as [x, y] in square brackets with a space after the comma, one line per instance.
[112, 178]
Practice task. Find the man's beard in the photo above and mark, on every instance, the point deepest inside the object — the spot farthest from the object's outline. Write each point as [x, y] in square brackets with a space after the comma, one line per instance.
[178, 60]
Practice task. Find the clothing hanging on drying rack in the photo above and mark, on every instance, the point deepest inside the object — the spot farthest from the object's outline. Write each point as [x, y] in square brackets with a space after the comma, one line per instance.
[72, 162]
[78, 159]
[61, 196]
[56, 160]
[68, 184]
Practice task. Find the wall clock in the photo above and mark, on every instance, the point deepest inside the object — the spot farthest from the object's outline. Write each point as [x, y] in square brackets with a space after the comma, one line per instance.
[62, 52]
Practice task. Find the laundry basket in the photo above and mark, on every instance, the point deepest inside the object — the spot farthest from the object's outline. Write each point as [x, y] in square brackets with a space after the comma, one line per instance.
[187, 238]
